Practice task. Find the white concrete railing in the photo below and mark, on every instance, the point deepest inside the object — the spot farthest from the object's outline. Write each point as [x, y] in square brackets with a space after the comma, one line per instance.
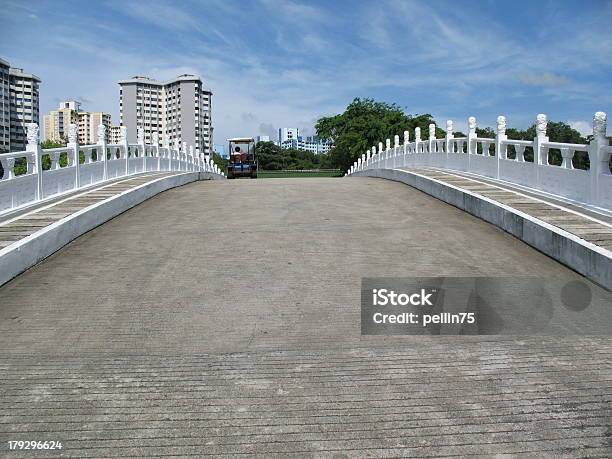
[112, 161]
[592, 187]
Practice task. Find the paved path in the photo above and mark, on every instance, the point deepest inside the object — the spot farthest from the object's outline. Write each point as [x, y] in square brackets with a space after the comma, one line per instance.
[591, 227]
[222, 318]
[23, 223]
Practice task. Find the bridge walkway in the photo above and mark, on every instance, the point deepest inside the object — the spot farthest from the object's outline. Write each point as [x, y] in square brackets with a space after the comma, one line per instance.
[25, 222]
[189, 327]
[584, 223]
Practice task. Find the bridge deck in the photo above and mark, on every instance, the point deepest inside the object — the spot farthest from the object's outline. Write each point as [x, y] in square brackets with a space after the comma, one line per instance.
[591, 227]
[190, 325]
[28, 221]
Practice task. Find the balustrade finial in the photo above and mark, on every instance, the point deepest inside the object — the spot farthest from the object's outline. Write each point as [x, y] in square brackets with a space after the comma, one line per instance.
[184, 147]
[101, 133]
[32, 133]
[472, 125]
[396, 140]
[73, 131]
[449, 127]
[155, 138]
[388, 143]
[417, 134]
[380, 147]
[123, 134]
[140, 135]
[541, 123]
[432, 131]
[406, 137]
[600, 124]
[501, 125]
[166, 141]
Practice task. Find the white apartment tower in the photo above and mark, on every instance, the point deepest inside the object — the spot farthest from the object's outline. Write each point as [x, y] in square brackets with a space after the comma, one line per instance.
[179, 108]
[18, 106]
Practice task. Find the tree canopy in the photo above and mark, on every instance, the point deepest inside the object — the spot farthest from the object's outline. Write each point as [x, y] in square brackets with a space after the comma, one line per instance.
[366, 122]
[272, 157]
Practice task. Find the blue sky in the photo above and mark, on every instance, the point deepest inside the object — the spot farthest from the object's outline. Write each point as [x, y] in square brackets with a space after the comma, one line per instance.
[274, 63]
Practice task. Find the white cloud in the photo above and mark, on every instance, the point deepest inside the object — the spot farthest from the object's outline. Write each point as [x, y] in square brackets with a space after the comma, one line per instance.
[584, 127]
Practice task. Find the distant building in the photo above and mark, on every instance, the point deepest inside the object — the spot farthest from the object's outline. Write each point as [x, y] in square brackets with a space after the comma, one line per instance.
[19, 105]
[88, 126]
[310, 143]
[263, 138]
[69, 112]
[285, 134]
[114, 136]
[56, 122]
[179, 108]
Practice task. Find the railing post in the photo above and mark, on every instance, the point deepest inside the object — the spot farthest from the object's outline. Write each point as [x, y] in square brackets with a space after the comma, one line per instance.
[102, 150]
[177, 152]
[35, 160]
[191, 158]
[599, 156]
[448, 145]
[417, 139]
[406, 142]
[387, 152]
[540, 153]
[500, 148]
[368, 158]
[432, 138]
[472, 148]
[381, 155]
[155, 144]
[184, 154]
[167, 150]
[142, 148]
[73, 144]
[395, 149]
[126, 148]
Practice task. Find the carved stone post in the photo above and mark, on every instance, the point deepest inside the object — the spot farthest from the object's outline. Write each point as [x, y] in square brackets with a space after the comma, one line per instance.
[73, 144]
[155, 144]
[599, 156]
[102, 149]
[432, 138]
[166, 148]
[35, 157]
[125, 146]
[500, 148]
[142, 148]
[471, 138]
[417, 139]
[540, 152]
[449, 146]
[184, 154]
[375, 157]
[191, 158]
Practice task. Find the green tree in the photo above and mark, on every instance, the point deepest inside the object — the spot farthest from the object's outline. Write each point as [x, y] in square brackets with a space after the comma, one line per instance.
[364, 123]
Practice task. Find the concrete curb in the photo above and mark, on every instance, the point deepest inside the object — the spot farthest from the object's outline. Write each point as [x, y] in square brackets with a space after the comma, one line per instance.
[588, 259]
[25, 253]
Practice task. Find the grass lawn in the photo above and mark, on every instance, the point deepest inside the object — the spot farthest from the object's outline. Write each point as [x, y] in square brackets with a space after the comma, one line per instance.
[285, 174]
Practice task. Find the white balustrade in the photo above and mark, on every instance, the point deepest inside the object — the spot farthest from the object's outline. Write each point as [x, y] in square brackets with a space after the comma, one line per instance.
[491, 157]
[66, 172]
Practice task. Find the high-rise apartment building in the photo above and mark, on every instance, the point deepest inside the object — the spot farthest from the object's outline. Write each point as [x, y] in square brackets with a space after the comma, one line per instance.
[69, 112]
[179, 108]
[56, 122]
[19, 106]
[114, 134]
[88, 126]
[285, 134]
